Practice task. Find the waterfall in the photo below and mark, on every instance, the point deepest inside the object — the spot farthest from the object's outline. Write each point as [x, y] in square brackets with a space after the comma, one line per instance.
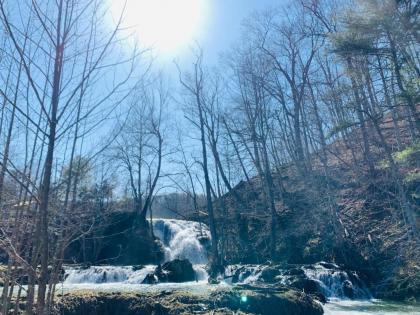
[183, 239]
[244, 274]
[333, 281]
[107, 274]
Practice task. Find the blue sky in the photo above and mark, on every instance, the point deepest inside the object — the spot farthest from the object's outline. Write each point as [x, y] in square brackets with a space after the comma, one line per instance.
[222, 27]
[224, 23]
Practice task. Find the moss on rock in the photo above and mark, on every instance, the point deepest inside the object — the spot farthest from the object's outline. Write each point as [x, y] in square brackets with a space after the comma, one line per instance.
[288, 302]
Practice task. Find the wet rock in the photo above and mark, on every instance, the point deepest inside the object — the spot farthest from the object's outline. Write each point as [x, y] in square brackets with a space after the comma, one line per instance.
[320, 297]
[108, 304]
[204, 240]
[150, 279]
[160, 303]
[307, 285]
[178, 270]
[328, 265]
[239, 300]
[269, 274]
[289, 302]
[85, 266]
[213, 281]
[348, 289]
[240, 273]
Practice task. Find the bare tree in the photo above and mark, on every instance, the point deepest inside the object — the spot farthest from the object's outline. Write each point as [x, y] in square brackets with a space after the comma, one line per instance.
[195, 86]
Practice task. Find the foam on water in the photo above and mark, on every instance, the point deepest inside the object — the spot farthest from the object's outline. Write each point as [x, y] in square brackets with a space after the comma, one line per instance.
[186, 240]
[331, 281]
[107, 274]
[182, 239]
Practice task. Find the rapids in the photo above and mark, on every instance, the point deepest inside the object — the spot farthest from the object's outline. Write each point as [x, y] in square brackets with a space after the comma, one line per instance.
[189, 240]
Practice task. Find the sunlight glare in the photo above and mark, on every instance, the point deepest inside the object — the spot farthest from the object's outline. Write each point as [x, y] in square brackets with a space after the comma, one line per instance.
[166, 25]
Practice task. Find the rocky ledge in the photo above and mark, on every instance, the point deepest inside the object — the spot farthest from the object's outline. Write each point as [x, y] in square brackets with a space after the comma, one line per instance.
[249, 300]
[177, 270]
[321, 280]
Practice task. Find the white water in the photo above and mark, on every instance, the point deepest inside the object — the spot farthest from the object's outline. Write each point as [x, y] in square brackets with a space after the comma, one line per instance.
[246, 274]
[181, 239]
[107, 274]
[117, 274]
[369, 307]
[331, 281]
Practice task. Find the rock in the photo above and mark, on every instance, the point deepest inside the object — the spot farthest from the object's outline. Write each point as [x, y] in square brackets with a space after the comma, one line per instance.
[213, 281]
[178, 270]
[137, 267]
[348, 289]
[329, 265]
[269, 274]
[215, 270]
[204, 240]
[237, 275]
[108, 304]
[220, 302]
[289, 302]
[150, 279]
[320, 297]
[307, 285]
[85, 266]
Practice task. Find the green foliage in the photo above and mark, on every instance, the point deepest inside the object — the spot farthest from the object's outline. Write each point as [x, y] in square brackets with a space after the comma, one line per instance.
[351, 43]
[404, 157]
[412, 177]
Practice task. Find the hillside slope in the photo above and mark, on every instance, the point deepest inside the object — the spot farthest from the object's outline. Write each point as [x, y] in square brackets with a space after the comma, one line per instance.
[347, 217]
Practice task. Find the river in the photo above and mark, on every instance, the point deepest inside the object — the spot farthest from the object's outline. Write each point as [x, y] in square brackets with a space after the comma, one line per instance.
[181, 239]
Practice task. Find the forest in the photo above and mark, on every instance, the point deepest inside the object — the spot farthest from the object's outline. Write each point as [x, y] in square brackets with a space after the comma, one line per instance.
[280, 180]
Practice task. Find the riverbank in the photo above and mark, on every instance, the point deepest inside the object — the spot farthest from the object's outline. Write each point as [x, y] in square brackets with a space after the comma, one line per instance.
[219, 301]
[245, 289]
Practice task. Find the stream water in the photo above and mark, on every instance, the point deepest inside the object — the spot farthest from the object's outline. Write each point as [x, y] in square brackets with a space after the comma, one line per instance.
[186, 240]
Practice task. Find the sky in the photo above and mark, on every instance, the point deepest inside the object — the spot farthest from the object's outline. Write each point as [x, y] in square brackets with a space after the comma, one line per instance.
[224, 23]
[172, 27]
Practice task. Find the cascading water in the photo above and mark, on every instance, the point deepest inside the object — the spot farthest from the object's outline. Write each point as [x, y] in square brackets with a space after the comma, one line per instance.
[331, 280]
[245, 274]
[334, 282]
[107, 274]
[181, 240]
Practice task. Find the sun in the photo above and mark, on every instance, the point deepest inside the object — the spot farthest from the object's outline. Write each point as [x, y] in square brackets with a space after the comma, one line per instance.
[165, 25]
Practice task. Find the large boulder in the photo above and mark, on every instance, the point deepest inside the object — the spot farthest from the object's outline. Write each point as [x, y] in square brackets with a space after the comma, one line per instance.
[252, 301]
[295, 272]
[286, 302]
[269, 274]
[307, 285]
[177, 270]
